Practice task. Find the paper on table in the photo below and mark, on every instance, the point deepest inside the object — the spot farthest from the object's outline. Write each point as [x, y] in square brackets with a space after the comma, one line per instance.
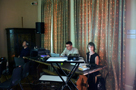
[83, 67]
[57, 59]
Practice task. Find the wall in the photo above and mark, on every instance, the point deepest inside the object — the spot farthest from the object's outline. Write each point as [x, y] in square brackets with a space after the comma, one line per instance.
[11, 12]
[130, 44]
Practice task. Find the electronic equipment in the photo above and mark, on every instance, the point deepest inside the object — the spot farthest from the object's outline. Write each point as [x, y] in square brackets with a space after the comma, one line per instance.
[42, 56]
[2, 58]
[3, 65]
[54, 55]
[43, 52]
[27, 43]
[40, 27]
[73, 57]
[39, 52]
[34, 53]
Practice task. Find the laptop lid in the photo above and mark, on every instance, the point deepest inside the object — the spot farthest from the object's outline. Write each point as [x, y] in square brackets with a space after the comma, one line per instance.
[19, 61]
[54, 55]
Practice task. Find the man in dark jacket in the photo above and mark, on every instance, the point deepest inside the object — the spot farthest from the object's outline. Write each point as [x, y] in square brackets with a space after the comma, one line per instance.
[25, 51]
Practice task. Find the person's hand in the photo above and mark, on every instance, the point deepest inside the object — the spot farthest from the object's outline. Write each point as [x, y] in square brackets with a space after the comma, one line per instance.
[48, 55]
[23, 57]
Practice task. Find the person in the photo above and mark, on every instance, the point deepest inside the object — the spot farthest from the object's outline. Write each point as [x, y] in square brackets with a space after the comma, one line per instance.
[93, 59]
[89, 80]
[25, 51]
[69, 49]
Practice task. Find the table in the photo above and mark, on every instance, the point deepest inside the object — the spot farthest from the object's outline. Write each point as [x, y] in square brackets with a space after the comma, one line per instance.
[66, 66]
[64, 60]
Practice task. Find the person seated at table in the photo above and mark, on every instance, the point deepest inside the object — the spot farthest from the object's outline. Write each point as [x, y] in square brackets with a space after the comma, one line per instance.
[25, 51]
[93, 59]
[92, 56]
[69, 49]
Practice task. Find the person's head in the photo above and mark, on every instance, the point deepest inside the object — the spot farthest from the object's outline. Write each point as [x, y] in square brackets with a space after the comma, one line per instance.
[25, 44]
[91, 47]
[69, 45]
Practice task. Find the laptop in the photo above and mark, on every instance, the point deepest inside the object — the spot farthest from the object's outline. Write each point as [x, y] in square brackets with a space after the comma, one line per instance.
[42, 56]
[54, 55]
[19, 61]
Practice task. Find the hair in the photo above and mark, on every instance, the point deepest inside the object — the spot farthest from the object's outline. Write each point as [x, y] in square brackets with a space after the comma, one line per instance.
[91, 44]
[69, 42]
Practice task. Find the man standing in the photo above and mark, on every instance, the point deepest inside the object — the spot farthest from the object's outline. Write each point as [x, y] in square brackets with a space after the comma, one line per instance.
[69, 49]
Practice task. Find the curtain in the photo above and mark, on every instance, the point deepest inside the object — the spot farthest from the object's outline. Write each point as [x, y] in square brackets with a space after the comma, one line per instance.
[60, 23]
[47, 25]
[103, 22]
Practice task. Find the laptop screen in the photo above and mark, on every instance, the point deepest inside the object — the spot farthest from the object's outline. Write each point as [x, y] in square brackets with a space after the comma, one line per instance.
[42, 56]
[54, 55]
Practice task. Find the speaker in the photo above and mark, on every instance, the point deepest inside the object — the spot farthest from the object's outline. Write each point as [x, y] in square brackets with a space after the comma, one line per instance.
[40, 27]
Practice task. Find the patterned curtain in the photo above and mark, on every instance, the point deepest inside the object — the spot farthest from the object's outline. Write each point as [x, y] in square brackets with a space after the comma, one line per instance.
[103, 22]
[60, 24]
[47, 26]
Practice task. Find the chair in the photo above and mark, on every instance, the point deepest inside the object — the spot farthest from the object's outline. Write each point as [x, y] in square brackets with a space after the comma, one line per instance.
[14, 80]
[25, 72]
[19, 61]
[2, 66]
[4, 69]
